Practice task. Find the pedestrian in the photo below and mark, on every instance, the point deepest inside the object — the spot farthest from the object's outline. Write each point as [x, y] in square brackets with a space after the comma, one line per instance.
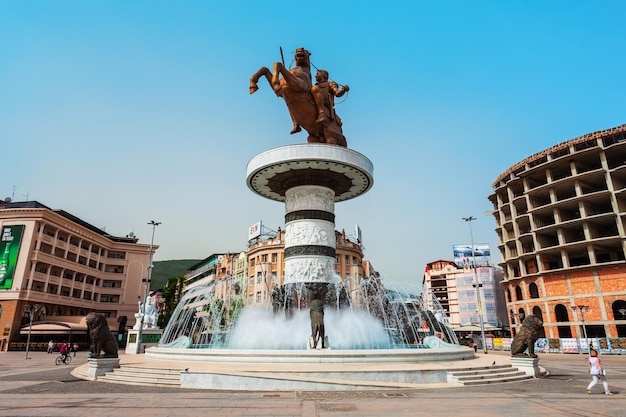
[75, 348]
[50, 346]
[597, 372]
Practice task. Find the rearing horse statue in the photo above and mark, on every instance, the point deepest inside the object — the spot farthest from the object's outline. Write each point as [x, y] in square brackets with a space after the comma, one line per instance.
[295, 88]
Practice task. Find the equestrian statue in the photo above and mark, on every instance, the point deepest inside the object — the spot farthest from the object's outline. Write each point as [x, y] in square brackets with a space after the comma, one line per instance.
[311, 107]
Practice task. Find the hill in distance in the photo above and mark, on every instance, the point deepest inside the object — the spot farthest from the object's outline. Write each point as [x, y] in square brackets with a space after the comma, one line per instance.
[163, 270]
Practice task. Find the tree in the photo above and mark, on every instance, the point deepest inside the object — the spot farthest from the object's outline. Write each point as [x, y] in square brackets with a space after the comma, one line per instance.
[172, 292]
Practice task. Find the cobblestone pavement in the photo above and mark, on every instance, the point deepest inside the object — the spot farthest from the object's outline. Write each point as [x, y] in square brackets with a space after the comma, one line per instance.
[36, 387]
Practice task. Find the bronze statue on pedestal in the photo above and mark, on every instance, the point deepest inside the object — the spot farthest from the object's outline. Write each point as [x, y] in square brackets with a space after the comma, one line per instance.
[310, 106]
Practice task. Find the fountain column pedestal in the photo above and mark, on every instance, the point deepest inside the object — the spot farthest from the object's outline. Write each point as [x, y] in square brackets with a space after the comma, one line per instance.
[310, 179]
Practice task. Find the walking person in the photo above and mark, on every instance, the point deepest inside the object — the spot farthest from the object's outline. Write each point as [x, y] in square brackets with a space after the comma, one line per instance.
[597, 373]
[50, 346]
[74, 348]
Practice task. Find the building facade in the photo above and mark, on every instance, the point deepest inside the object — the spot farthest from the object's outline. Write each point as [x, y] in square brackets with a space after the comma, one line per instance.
[453, 287]
[68, 268]
[561, 221]
[266, 263]
[249, 277]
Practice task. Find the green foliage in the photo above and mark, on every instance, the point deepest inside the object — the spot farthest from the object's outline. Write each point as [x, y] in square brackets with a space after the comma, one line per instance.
[172, 291]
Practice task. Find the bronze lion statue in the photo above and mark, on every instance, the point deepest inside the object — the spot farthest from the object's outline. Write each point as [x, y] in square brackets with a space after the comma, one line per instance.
[104, 343]
[526, 337]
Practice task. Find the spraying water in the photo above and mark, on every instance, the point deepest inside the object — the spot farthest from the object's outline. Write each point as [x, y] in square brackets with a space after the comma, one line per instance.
[373, 318]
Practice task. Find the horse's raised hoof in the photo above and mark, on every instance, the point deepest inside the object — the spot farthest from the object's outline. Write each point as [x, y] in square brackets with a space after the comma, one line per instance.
[253, 88]
[295, 129]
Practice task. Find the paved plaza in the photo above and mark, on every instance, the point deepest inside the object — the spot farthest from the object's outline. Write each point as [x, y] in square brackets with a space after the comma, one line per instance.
[36, 387]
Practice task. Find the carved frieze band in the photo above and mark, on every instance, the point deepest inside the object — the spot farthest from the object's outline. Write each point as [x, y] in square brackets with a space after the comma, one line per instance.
[309, 197]
[309, 269]
[310, 232]
[310, 250]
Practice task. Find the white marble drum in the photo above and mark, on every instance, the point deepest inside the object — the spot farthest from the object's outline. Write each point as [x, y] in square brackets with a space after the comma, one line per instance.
[309, 179]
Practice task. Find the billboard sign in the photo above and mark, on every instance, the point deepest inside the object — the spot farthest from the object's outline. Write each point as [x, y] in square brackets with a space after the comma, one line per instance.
[254, 230]
[10, 240]
[464, 258]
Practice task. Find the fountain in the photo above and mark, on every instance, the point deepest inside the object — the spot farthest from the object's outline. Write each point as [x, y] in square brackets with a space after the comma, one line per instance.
[312, 320]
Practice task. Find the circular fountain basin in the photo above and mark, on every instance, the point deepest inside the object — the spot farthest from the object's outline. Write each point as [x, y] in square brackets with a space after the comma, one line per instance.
[321, 370]
[311, 356]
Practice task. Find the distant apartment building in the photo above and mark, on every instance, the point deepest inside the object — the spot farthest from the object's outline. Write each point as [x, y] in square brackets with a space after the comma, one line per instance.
[453, 286]
[561, 222]
[68, 268]
[216, 271]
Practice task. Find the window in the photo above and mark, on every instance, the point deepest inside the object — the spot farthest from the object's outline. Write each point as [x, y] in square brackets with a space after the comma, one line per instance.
[518, 293]
[274, 258]
[534, 291]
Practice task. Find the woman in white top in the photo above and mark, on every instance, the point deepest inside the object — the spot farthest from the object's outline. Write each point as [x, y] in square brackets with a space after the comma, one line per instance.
[597, 372]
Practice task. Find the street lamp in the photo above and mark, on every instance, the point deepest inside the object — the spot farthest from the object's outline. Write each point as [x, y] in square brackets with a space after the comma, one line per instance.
[146, 288]
[477, 285]
[30, 309]
[582, 309]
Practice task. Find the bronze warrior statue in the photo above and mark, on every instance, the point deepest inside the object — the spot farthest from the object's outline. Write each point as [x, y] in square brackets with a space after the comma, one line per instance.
[310, 106]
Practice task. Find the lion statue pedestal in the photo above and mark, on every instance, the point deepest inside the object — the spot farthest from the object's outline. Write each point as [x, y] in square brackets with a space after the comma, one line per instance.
[99, 367]
[526, 364]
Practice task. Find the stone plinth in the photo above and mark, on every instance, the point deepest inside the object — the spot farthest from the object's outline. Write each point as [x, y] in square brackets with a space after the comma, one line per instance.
[526, 364]
[100, 366]
[150, 338]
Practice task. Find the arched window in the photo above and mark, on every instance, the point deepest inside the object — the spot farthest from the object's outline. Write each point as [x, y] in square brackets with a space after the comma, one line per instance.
[534, 291]
[619, 310]
[518, 293]
[508, 295]
[619, 313]
[561, 314]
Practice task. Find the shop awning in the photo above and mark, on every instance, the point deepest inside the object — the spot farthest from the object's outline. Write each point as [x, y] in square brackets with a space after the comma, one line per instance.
[54, 327]
[475, 328]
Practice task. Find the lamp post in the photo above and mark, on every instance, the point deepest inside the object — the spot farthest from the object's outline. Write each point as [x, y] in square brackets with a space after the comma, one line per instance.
[582, 309]
[30, 309]
[146, 288]
[477, 285]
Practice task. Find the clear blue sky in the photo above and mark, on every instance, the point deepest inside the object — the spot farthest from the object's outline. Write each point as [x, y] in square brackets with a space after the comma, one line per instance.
[122, 112]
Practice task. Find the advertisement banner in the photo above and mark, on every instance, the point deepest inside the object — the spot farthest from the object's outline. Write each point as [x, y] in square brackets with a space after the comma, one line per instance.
[9, 249]
[464, 258]
[254, 231]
